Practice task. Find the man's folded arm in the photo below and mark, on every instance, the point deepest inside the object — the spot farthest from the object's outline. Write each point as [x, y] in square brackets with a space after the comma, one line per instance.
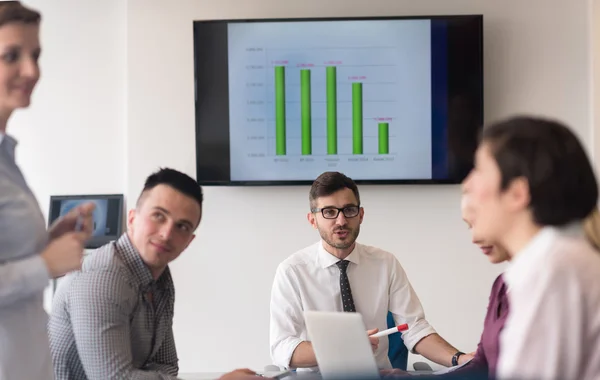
[101, 303]
[165, 361]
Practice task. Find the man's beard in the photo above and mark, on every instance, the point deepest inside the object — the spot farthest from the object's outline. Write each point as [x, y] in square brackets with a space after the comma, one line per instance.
[347, 243]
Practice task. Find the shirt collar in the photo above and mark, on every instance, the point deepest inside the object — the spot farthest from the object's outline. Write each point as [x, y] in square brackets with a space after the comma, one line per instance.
[8, 144]
[133, 260]
[522, 263]
[326, 259]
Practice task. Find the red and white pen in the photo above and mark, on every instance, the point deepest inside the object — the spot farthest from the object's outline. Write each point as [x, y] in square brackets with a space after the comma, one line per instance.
[393, 330]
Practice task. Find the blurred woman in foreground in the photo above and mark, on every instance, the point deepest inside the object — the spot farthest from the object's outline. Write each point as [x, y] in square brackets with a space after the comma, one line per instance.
[530, 190]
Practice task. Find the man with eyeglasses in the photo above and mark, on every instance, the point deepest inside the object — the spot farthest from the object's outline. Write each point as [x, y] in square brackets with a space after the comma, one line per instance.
[339, 274]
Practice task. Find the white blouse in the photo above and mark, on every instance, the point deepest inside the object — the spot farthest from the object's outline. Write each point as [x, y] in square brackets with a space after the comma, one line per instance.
[553, 329]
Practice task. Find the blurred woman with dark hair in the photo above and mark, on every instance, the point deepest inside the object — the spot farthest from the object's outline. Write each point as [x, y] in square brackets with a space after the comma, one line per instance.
[531, 189]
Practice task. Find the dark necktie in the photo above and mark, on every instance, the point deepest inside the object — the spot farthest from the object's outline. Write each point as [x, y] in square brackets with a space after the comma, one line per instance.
[347, 300]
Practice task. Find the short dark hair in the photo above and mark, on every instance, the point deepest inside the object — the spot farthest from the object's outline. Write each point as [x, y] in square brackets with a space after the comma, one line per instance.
[175, 179]
[329, 183]
[550, 157]
[14, 11]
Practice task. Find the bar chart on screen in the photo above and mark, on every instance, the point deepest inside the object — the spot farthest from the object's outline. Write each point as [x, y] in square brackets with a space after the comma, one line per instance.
[311, 106]
[323, 107]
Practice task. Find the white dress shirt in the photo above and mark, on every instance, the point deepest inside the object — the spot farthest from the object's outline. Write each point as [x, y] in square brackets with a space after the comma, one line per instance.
[553, 330]
[310, 280]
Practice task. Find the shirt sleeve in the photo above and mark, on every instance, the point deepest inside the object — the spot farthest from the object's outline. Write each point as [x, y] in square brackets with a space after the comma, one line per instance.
[100, 305]
[542, 337]
[165, 360]
[406, 307]
[287, 318]
[22, 279]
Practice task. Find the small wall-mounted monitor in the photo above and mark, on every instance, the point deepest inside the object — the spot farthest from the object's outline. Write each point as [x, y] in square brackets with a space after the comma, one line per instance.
[108, 215]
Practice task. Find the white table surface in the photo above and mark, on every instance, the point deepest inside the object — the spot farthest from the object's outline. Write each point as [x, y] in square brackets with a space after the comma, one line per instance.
[200, 375]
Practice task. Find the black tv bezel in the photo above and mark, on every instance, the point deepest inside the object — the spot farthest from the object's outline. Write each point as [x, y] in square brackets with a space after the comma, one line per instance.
[94, 242]
[283, 183]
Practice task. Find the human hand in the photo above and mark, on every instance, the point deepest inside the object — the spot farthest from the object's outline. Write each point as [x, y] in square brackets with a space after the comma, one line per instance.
[64, 254]
[374, 341]
[80, 217]
[465, 357]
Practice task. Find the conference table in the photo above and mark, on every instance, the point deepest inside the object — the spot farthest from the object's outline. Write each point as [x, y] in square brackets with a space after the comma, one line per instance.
[201, 375]
[298, 376]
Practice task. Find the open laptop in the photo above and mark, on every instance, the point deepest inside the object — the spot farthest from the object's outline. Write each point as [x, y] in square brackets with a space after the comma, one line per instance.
[341, 345]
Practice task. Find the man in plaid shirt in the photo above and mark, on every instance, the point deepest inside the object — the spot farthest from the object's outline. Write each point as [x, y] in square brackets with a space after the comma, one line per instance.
[113, 319]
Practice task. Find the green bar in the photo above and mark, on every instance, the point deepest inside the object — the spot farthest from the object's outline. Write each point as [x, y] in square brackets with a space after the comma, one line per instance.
[280, 110]
[357, 119]
[384, 138]
[305, 109]
[331, 110]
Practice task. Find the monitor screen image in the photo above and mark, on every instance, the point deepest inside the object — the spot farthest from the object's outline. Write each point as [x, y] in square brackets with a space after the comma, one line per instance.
[107, 216]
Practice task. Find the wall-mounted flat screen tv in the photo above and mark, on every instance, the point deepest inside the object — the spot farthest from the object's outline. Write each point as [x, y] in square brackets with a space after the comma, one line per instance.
[384, 100]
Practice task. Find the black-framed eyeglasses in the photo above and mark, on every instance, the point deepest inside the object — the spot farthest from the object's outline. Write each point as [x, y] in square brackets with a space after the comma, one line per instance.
[333, 212]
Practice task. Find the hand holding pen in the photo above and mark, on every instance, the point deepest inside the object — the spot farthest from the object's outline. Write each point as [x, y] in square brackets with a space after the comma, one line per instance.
[68, 236]
[78, 219]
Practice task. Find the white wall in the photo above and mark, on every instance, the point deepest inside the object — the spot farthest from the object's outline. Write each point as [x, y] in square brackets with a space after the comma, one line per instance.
[72, 136]
[95, 97]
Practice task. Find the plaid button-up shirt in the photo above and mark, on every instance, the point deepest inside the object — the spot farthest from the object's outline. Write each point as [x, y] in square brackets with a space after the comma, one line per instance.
[105, 326]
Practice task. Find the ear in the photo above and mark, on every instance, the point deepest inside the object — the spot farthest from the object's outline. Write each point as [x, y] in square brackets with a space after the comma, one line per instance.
[312, 220]
[518, 195]
[130, 219]
[199, 219]
[191, 240]
[361, 215]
